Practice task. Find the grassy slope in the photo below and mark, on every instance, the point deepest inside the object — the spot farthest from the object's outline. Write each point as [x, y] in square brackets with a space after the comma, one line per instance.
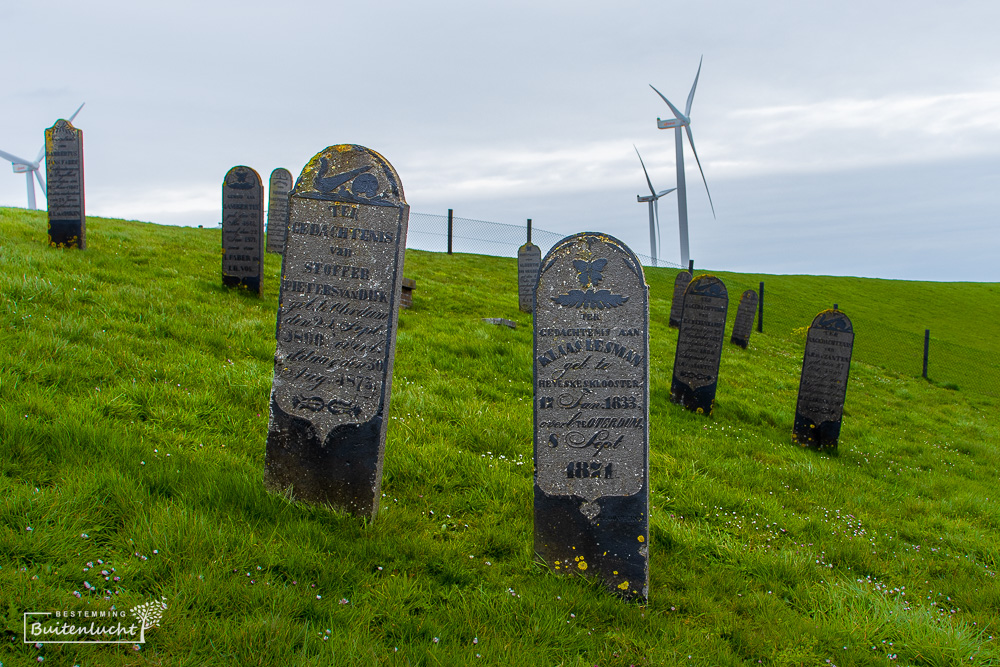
[133, 398]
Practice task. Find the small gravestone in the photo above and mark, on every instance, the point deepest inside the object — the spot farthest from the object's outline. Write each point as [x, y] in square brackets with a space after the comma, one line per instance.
[823, 385]
[339, 305]
[242, 229]
[406, 293]
[279, 186]
[699, 344]
[745, 313]
[529, 258]
[64, 189]
[677, 303]
[591, 436]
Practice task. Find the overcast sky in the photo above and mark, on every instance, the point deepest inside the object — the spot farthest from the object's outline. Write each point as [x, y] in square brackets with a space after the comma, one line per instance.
[837, 138]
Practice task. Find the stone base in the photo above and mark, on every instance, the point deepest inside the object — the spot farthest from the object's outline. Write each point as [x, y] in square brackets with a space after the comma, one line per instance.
[607, 538]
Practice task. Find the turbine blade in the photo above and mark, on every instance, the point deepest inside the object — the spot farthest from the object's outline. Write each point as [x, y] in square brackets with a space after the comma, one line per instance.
[75, 113]
[41, 154]
[681, 117]
[648, 182]
[687, 111]
[14, 159]
[656, 214]
[665, 192]
[691, 141]
[41, 183]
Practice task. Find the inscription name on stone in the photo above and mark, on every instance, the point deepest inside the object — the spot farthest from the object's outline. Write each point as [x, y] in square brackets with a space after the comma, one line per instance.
[677, 303]
[279, 187]
[341, 278]
[529, 259]
[823, 384]
[745, 314]
[64, 186]
[699, 344]
[242, 229]
[591, 413]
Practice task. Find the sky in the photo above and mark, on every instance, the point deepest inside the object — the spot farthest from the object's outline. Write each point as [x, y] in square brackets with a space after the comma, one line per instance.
[858, 139]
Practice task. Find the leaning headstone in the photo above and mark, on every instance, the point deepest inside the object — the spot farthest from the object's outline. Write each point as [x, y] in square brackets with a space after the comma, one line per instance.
[745, 313]
[278, 188]
[64, 189]
[242, 229]
[591, 435]
[529, 258]
[500, 322]
[677, 304]
[339, 305]
[699, 344]
[823, 384]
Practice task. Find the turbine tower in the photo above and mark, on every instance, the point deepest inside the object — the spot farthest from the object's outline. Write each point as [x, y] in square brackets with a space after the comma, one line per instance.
[654, 209]
[682, 121]
[31, 168]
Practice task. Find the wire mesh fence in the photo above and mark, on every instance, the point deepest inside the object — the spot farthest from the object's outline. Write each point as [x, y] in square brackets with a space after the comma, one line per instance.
[893, 345]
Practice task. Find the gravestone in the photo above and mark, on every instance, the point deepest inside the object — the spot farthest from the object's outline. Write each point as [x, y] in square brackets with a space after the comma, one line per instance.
[823, 384]
[677, 303]
[340, 287]
[278, 188]
[64, 186]
[242, 229]
[743, 326]
[591, 414]
[529, 258]
[699, 344]
[406, 293]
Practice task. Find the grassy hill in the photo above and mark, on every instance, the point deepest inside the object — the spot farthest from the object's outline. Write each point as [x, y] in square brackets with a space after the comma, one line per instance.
[133, 413]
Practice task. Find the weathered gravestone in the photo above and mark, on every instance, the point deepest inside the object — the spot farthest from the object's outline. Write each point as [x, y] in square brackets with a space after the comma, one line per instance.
[529, 258]
[823, 384]
[591, 445]
[242, 229]
[278, 188]
[677, 304]
[699, 344]
[64, 188]
[743, 326]
[340, 285]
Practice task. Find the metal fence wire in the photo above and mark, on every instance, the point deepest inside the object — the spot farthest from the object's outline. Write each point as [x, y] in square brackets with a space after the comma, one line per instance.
[885, 345]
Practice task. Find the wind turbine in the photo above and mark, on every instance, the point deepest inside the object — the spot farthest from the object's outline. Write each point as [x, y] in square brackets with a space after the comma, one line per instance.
[682, 121]
[654, 209]
[29, 168]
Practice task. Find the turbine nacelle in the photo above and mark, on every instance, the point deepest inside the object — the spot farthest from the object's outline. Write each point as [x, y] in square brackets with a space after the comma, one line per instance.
[670, 123]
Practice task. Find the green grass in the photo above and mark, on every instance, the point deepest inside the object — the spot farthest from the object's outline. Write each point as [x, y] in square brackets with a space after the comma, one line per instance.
[133, 414]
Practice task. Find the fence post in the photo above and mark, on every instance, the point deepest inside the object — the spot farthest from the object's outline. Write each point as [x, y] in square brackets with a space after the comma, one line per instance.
[760, 310]
[450, 218]
[927, 345]
[529, 231]
[691, 267]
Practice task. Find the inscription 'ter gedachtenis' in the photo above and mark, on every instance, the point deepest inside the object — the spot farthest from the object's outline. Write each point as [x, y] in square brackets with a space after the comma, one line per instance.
[339, 277]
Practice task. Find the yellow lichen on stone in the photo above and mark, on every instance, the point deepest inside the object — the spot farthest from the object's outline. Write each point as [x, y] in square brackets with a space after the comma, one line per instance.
[582, 565]
[623, 585]
[642, 539]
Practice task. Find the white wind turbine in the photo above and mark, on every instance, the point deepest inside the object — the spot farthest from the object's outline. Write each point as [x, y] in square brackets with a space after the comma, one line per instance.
[679, 121]
[654, 209]
[29, 168]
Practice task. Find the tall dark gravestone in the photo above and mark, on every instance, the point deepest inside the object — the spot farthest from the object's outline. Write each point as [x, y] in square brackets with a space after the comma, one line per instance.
[699, 344]
[677, 303]
[341, 277]
[529, 259]
[823, 384]
[591, 413]
[745, 313]
[64, 187]
[242, 229]
[279, 187]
